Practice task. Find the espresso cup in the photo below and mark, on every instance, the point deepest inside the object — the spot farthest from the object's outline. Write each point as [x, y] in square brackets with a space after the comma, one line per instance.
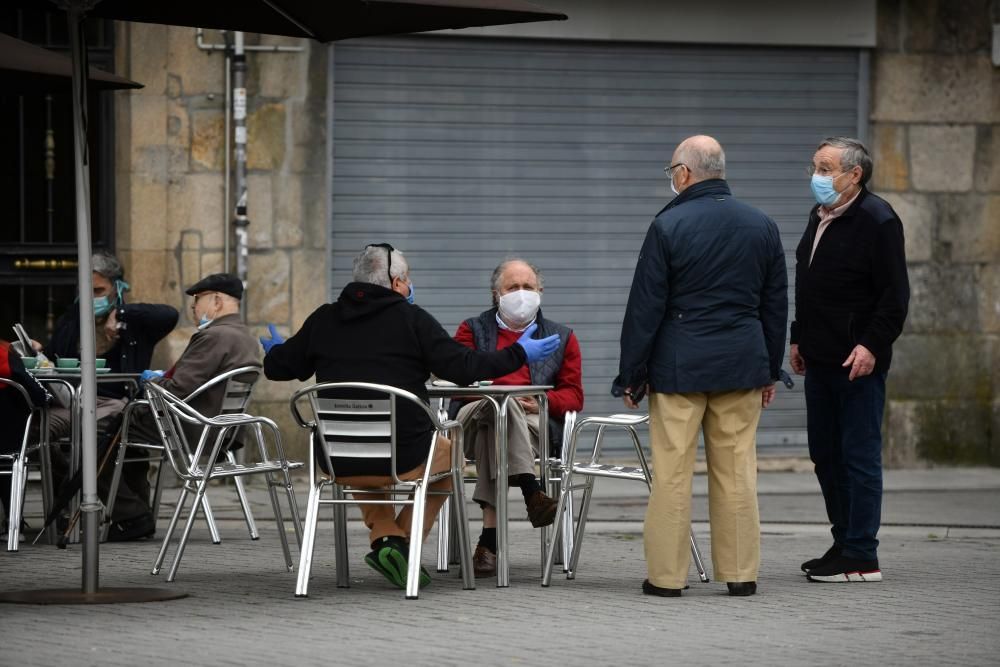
[67, 362]
[101, 363]
[29, 362]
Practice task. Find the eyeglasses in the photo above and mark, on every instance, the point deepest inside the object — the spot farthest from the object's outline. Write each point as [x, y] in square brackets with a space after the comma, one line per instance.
[198, 296]
[201, 294]
[388, 256]
[669, 170]
[825, 171]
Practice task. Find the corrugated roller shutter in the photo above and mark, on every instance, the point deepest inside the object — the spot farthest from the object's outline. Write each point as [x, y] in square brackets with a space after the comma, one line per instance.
[461, 151]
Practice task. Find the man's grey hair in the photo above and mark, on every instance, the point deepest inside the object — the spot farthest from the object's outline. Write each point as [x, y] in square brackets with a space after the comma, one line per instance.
[703, 163]
[502, 266]
[371, 264]
[107, 265]
[855, 155]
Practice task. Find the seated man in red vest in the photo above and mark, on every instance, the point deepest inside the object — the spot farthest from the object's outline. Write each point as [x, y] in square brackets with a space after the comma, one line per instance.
[517, 293]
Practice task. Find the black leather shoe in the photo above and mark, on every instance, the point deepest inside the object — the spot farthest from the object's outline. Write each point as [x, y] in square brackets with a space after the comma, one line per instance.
[742, 588]
[650, 589]
[135, 528]
[831, 554]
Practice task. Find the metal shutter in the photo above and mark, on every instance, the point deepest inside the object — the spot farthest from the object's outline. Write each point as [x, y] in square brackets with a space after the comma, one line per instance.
[460, 151]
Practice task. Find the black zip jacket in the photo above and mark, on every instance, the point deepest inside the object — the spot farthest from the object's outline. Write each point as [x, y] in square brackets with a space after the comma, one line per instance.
[371, 334]
[856, 290]
[141, 327]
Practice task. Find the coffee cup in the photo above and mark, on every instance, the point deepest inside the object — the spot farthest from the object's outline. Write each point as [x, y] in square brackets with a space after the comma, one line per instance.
[67, 362]
[100, 363]
[29, 362]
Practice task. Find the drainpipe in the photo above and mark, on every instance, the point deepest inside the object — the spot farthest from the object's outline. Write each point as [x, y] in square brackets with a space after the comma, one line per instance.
[241, 222]
[227, 196]
[228, 48]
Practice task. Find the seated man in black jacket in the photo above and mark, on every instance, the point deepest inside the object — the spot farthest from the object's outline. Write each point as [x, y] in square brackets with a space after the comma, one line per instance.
[125, 335]
[373, 333]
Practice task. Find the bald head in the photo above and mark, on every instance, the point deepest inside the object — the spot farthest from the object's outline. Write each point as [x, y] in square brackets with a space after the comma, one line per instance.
[703, 158]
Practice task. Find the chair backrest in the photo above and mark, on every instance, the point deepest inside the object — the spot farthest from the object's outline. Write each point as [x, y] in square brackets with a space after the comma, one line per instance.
[239, 387]
[355, 420]
[21, 390]
[170, 413]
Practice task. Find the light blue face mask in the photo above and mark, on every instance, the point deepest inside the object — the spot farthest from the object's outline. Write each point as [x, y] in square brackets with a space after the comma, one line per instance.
[103, 305]
[823, 190]
[204, 321]
[409, 297]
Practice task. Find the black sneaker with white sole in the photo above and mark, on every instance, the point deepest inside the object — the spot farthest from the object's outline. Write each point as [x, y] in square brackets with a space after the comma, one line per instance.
[843, 569]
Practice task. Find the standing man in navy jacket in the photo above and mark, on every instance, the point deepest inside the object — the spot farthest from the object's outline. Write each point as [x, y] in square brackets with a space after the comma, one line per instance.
[704, 332]
[851, 298]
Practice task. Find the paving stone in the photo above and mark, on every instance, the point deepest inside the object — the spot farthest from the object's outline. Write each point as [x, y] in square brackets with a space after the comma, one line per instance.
[241, 609]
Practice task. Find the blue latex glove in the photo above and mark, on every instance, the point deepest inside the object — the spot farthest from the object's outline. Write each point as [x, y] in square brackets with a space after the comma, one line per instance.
[275, 339]
[536, 350]
[147, 375]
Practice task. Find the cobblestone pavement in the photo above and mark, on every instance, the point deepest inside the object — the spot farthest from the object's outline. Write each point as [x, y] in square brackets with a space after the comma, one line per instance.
[938, 604]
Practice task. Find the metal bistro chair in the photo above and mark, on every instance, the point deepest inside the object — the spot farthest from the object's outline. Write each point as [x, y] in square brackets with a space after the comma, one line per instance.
[362, 427]
[19, 466]
[239, 387]
[591, 470]
[199, 467]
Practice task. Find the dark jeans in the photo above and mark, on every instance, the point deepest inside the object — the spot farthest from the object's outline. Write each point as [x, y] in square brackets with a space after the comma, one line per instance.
[845, 443]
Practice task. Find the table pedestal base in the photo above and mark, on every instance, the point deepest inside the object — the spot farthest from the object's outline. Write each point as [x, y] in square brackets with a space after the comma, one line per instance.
[102, 596]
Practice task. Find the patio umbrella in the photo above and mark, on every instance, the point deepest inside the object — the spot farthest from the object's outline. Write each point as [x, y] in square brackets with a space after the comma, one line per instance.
[326, 21]
[323, 21]
[26, 68]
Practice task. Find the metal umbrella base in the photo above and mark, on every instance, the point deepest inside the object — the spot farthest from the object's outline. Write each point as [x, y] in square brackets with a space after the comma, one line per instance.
[101, 596]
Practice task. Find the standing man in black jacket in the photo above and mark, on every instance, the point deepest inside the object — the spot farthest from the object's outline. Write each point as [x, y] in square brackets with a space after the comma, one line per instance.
[374, 333]
[851, 298]
[704, 332]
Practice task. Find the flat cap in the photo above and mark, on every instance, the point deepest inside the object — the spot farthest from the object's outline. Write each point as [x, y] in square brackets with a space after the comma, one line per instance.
[226, 283]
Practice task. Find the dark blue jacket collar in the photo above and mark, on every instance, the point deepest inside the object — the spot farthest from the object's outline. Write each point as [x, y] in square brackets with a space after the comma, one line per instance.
[713, 186]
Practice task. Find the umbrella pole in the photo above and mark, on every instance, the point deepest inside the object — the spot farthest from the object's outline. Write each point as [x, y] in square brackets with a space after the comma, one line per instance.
[90, 506]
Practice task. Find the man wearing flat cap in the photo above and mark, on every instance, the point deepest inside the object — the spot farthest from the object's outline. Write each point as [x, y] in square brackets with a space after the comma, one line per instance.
[221, 343]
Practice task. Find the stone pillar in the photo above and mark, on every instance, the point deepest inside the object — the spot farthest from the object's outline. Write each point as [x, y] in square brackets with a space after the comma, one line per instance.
[935, 139]
[170, 186]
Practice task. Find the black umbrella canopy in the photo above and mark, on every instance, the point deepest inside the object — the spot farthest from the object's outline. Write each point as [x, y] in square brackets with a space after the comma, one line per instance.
[323, 20]
[26, 68]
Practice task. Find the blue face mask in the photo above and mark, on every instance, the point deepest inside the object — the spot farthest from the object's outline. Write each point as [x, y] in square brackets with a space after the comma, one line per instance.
[409, 297]
[102, 306]
[204, 321]
[823, 190]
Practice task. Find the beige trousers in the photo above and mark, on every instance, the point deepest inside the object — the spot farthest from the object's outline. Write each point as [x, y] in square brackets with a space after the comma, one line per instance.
[729, 422]
[479, 423]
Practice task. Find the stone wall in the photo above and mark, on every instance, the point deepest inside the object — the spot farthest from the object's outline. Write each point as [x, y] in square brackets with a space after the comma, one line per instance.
[170, 209]
[936, 138]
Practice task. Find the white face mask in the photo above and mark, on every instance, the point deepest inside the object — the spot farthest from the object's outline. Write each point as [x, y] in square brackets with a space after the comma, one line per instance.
[519, 307]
